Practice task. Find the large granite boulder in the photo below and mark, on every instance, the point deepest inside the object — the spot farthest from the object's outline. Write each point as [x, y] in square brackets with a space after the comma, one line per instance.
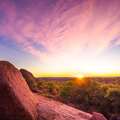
[31, 80]
[16, 100]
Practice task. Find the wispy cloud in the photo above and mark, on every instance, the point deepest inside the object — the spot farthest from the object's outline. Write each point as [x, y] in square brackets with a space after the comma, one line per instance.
[55, 30]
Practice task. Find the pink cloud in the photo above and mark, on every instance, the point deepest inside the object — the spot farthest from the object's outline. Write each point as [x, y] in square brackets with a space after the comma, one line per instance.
[72, 28]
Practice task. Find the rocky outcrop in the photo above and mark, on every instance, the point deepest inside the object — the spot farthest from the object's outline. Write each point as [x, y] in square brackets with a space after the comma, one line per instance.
[17, 102]
[31, 80]
[53, 110]
[97, 116]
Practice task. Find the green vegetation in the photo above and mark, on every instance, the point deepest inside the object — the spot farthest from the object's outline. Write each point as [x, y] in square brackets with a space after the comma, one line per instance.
[85, 95]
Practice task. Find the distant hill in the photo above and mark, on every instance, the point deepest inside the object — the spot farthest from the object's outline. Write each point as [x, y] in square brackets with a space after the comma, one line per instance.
[113, 80]
[62, 79]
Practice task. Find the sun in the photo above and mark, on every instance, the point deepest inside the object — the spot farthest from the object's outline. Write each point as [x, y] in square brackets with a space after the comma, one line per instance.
[79, 75]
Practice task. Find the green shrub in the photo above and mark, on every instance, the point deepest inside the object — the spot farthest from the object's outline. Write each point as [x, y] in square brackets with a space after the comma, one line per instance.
[93, 96]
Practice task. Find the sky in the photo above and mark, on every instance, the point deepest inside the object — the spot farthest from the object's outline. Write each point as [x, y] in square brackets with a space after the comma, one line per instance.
[61, 37]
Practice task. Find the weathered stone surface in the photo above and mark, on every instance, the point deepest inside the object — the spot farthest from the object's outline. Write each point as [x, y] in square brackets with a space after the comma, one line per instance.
[97, 116]
[52, 110]
[31, 80]
[16, 100]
